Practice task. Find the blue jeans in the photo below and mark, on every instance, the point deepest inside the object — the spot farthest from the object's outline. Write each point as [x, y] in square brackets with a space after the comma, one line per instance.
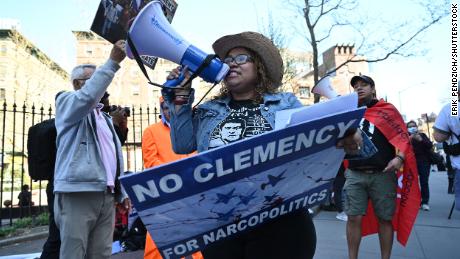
[424, 175]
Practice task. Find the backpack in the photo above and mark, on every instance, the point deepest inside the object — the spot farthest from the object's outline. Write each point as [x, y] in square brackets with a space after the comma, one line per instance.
[134, 238]
[41, 147]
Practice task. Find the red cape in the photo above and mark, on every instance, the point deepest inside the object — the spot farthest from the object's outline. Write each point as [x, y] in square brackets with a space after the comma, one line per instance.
[389, 121]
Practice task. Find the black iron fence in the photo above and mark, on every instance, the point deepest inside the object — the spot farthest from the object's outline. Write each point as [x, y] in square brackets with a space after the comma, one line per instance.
[15, 123]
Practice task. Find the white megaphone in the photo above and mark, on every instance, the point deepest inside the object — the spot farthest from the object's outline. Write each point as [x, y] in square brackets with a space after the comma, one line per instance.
[324, 88]
[152, 35]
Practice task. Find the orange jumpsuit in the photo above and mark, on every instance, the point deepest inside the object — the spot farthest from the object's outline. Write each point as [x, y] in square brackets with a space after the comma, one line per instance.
[156, 150]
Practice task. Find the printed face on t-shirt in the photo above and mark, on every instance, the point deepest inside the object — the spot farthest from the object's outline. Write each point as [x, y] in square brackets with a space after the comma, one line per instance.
[231, 131]
[244, 121]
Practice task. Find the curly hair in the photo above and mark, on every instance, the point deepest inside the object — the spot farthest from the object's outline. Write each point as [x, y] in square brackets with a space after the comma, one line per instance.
[265, 85]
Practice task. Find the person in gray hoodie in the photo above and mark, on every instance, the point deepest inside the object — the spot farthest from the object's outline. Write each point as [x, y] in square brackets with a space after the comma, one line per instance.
[88, 163]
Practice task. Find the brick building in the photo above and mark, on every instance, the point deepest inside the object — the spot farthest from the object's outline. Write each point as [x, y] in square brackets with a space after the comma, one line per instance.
[27, 75]
[332, 58]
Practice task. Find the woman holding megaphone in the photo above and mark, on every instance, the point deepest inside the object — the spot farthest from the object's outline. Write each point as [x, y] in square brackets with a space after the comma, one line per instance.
[245, 107]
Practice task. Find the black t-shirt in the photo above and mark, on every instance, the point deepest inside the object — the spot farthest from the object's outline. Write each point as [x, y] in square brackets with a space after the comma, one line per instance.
[385, 151]
[25, 198]
[422, 149]
[245, 120]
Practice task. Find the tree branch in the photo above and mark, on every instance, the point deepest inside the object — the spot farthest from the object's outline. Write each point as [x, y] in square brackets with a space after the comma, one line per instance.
[330, 30]
[323, 13]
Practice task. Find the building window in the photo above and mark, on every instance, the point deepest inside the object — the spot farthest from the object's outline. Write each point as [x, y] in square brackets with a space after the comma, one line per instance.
[3, 50]
[136, 90]
[89, 51]
[304, 92]
[134, 71]
[2, 73]
[2, 93]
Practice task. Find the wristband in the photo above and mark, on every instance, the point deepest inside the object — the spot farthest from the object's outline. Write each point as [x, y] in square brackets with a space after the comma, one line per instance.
[180, 99]
[400, 158]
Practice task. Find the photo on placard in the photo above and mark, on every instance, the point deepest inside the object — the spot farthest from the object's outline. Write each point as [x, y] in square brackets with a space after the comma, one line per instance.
[111, 20]
[114, 18]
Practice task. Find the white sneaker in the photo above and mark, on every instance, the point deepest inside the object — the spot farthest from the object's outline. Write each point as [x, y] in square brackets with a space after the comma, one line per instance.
[425, 207]
[342, 216]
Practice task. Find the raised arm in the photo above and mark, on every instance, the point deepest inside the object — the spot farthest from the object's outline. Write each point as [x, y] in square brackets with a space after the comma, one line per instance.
[71, 107]
[183, 127]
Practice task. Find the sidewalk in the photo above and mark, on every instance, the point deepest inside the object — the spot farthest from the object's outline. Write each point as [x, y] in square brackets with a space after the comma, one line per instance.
[433, 236]
[32, 234]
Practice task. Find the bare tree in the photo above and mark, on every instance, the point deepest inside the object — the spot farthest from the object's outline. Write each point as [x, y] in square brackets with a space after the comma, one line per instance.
[274, 32]
[323, 17]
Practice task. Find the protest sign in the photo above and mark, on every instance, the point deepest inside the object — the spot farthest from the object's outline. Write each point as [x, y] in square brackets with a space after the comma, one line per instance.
[114, 18]
[216, 194]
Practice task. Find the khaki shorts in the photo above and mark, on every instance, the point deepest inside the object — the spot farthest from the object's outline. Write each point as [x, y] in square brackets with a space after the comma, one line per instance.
[378, 186]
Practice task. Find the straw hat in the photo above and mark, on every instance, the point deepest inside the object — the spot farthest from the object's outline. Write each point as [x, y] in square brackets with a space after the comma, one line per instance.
[258, 43]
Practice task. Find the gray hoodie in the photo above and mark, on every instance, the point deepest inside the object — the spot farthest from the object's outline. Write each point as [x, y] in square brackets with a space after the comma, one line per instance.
[79, 166]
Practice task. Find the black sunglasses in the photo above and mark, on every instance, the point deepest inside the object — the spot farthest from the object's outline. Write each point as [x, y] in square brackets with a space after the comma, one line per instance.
[239, 59]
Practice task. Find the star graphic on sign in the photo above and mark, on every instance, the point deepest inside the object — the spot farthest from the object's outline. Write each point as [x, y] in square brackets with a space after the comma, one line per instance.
[225, 198]
[246, 199]
[273, 180]
[320, 179]
[224, 216]
[273, 200]
[202, 198]
[268, 199]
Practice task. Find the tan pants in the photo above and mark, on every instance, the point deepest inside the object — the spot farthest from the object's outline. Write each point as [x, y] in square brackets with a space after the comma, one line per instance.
[85, 221]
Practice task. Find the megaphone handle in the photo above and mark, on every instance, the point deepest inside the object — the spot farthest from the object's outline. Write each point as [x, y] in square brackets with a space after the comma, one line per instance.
[193, 74]
[175, 82]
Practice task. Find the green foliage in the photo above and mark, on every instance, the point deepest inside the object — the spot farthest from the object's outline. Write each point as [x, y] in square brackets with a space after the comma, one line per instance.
[20, 224]
[23, 223]
[6, 231]
[42, 219]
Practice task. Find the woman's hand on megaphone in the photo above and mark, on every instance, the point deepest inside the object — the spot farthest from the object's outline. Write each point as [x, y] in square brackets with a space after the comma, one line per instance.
[118, 51]
[182, 89]
[177, 73]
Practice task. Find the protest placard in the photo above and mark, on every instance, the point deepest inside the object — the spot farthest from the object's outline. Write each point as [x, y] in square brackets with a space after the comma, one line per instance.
[217, 194]
[114, 18]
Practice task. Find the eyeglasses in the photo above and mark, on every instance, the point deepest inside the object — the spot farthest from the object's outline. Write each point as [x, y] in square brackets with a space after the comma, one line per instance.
[82, 79]
[239, 60]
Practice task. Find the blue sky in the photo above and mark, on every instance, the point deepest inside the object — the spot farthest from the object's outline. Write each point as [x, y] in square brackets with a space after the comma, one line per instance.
[415, 85]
